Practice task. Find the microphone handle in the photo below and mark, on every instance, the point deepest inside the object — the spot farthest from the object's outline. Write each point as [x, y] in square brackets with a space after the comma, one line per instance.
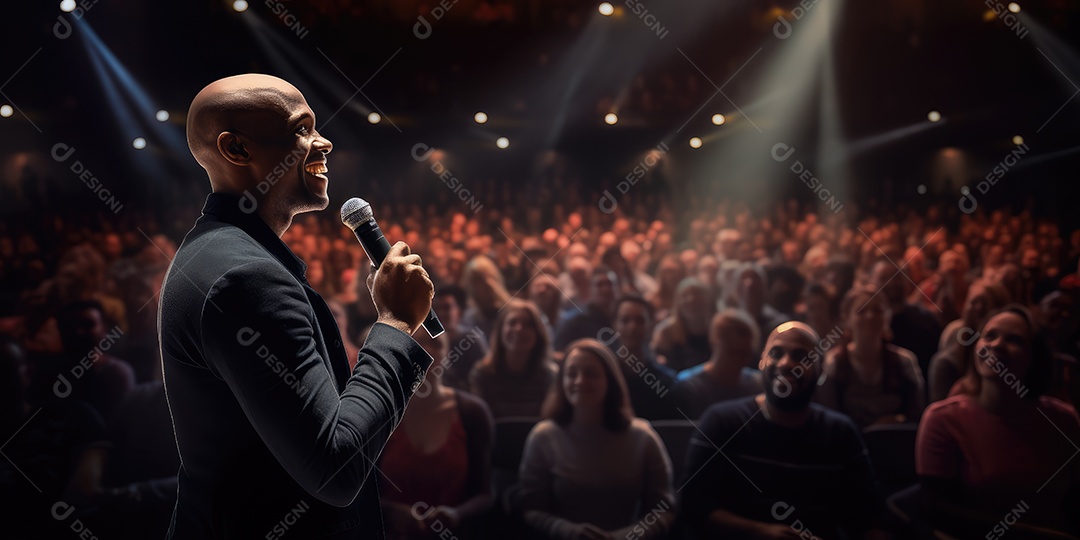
[375, 245]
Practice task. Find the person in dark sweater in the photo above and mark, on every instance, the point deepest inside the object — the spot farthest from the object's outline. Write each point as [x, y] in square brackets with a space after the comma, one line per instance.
[725, 376]
[597, 313]
[913, 326]
[792, 467]
[648, 382]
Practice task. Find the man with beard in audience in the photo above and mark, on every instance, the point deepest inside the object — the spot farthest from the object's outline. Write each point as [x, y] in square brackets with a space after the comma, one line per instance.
[793, 469]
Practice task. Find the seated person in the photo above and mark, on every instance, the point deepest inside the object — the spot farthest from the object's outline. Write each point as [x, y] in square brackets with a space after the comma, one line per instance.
[513, 379]
[681, 341]
[870, 380]
[725, 376]
[787, 459]
[590, 469]
[999, 441]
[953, 359]
[649, 383]
[596, 314]
[466, 347]
[438, 461]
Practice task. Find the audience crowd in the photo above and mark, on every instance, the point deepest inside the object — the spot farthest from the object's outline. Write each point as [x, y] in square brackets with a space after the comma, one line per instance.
[730, 372]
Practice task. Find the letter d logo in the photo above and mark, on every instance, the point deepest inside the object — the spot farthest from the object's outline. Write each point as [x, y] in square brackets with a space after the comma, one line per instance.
[248, 204]
[608, 204]
[422, 28]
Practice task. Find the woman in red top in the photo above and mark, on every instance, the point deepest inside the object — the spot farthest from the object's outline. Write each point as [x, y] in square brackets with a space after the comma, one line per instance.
[998, 454]
[436, 467]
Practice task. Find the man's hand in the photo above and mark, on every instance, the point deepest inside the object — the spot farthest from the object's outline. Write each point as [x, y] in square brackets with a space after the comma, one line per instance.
[401, 290]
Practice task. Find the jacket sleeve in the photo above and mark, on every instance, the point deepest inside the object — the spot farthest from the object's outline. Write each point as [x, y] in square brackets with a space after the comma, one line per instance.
[259, 337]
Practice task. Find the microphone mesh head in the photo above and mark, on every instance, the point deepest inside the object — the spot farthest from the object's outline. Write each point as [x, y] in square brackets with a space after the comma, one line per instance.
[356, 211]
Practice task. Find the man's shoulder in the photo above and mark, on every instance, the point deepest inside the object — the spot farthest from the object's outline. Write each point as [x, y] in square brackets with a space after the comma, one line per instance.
[208, 255]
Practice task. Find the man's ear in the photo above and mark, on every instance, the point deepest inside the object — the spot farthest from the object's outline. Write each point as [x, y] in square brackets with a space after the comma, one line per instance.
[231, 146]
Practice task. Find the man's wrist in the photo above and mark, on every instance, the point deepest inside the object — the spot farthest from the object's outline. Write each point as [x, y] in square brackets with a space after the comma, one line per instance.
[396, 323]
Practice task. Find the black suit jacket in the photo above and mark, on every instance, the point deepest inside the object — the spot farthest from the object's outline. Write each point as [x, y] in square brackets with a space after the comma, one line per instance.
[276, 438]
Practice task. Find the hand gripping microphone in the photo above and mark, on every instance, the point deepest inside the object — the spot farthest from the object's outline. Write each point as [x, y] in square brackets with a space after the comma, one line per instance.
[356, 214]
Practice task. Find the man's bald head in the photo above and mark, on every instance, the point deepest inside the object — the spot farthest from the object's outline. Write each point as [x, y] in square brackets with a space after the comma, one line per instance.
[255, 135]
[245, 105]
[794, 330]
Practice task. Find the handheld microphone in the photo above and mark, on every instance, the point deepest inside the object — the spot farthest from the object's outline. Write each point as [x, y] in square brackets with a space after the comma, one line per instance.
[356, 214]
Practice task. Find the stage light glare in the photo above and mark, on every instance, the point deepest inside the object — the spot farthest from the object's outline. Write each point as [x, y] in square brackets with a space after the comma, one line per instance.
[162, 116]
[695, 142]
[1014, 7]
[240, 6]
[610, 119]
[67, 6]
[480, 117]
[502, 142]
[374, 118]
[1017, 140]
[933, 116]
[718, 119]
[606, 9]
[139, 143]
[6, 111]
[921, 189]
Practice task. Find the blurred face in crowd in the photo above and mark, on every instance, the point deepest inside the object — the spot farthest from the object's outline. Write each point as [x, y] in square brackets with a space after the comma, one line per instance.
[483, 289]
[447, 307]
[604, 286]
[689, 259]
[950, 263]
[1054, 309]
[707, 267]
[518, 331]
[1004, 343]
[789, 372]
[977, 305]
[867, 316]
[751, 288]
[693, 304]
[633, 323]
[670, 272]
[112, 247]
[732, 338]
[579, 269]
[789, 251]
[1030, 259]
[86, 331]
[544, 292]
[584, 379]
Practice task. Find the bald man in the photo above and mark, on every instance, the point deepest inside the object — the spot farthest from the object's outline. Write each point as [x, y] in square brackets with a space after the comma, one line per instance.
[276, 437]
[793, 470]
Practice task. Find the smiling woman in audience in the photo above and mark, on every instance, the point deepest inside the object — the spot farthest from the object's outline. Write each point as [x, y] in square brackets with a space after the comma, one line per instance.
[515, 375]
[592, 470]
[999, 444]
[871, 380]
